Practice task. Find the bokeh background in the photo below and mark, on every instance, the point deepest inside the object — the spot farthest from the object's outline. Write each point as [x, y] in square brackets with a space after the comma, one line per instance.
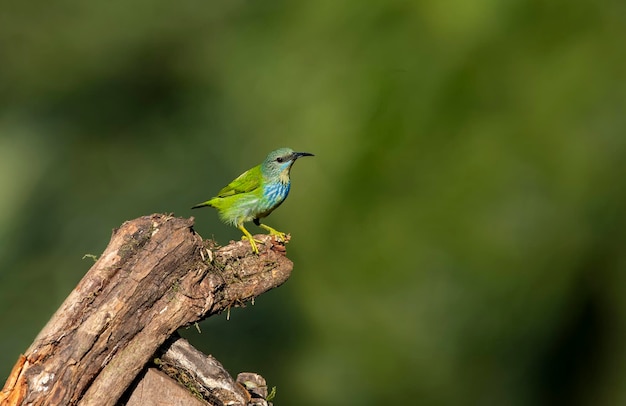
[458, 239]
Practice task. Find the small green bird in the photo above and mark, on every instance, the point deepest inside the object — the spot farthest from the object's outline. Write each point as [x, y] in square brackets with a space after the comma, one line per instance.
[256, 193]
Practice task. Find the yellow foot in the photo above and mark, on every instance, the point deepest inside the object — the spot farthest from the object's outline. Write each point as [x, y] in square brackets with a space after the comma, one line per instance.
[248, 236]
[252, 243]
[279, 235]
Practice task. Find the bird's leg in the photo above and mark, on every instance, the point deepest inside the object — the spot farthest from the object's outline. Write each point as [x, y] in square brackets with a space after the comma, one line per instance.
[248, 237]
[279, 235]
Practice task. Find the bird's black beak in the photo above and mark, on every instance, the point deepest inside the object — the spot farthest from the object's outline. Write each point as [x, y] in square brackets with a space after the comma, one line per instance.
[297, 155]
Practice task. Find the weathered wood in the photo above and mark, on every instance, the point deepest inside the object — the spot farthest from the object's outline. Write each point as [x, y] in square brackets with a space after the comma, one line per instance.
[155, 276]
[186, 376]
[156, 388]
[257, 388]
[202, 374]
[182, 375]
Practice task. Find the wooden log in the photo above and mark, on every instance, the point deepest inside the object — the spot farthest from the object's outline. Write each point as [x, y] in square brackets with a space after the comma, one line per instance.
[182, 375]
[157, 388]
[155, 276]
[202, 375]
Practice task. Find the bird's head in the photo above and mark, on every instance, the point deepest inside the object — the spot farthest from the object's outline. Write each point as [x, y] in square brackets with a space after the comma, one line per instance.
[278, 163]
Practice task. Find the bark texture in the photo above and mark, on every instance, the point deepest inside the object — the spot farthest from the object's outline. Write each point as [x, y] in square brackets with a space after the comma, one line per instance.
[155, 276]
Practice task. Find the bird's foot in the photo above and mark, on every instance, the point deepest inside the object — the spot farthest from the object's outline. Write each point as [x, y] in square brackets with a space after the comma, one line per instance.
[248, 236]
[252, 243]
[278, 234]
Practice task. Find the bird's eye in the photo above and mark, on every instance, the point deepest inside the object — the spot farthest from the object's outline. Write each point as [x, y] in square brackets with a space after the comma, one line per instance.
[279, 159]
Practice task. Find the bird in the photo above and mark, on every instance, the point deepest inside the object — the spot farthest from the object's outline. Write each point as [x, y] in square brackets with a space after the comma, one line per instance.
[256, 193]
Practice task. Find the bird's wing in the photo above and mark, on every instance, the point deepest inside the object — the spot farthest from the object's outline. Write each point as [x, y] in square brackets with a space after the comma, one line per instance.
[246, 182]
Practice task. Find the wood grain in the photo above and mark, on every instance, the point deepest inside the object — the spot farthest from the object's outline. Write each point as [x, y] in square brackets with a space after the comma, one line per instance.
[155, 276]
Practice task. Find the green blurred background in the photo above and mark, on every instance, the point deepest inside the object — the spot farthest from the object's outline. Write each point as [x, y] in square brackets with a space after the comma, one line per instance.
[458, 238]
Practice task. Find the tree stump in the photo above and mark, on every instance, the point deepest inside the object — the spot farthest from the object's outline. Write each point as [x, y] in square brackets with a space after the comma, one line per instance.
[155, 276]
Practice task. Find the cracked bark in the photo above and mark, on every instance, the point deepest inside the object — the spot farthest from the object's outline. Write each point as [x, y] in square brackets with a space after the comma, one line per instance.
[155, 276]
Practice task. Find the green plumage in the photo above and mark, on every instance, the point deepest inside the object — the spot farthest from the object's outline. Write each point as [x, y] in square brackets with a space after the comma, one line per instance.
[256, 193]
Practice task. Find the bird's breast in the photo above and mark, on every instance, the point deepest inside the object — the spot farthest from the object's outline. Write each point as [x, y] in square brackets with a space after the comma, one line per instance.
[275, 192]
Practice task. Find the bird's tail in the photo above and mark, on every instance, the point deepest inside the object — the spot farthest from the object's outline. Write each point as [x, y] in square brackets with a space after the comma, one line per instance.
[203, 204]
